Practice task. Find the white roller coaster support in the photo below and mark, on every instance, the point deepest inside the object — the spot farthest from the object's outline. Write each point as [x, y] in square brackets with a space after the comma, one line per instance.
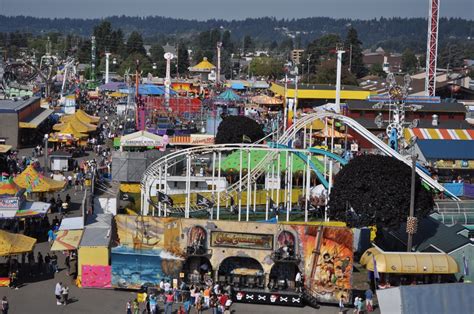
[308, 181]
[240, 186]
[151, 172]
[165, 175]
[249, 187]
[188, 186]
[213, 182]
[219, 190]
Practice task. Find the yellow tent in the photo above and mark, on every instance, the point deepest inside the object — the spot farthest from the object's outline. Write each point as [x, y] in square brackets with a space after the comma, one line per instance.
[203, 66]
[266, 100]
[67, 133]
[12, 243]
[77, 124]
[117, 95]
[33, 181]
[82, 116]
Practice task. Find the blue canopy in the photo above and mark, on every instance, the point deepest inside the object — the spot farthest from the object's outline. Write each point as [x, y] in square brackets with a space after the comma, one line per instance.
[447, 149]
[148, 89]
[228, 95]
[238, 86]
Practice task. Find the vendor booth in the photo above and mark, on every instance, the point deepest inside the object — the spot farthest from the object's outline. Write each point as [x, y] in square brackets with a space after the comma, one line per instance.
[12, 244]
[94, 252]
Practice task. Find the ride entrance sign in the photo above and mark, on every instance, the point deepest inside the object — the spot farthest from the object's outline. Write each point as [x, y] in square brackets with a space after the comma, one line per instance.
[242, 240]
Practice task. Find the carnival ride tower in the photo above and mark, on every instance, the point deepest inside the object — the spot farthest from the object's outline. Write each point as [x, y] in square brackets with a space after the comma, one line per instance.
[432, 48]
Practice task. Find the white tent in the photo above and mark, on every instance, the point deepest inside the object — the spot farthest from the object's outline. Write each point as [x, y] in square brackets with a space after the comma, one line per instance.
[141, 139]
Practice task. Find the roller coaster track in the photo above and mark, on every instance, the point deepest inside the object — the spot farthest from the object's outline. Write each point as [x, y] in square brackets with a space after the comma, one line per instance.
[171, 159]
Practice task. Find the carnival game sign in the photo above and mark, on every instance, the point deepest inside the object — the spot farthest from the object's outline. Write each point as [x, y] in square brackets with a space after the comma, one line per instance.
[9, 203]
[142, 141]
[242, 240]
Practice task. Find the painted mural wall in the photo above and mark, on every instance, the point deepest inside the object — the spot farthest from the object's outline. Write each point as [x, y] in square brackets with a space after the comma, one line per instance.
[153, 248]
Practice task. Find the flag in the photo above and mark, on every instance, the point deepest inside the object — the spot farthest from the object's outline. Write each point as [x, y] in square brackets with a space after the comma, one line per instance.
[246, 139]
[465, 262]
[164, 198]
[376, 272]
[202, 201]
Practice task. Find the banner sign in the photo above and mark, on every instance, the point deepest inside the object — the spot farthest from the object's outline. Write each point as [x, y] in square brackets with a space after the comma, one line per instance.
[9, 203]
[94, 276]
[142, 141]
[242, 240]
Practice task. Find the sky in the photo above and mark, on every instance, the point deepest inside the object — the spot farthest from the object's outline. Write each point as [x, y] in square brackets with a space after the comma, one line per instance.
[235, 9]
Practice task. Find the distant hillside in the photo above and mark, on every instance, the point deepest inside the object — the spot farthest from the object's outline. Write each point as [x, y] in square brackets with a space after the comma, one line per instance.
[371, 32]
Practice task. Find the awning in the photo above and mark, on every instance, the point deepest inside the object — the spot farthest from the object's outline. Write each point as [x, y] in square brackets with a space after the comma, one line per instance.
[446, 149]
[31, 209]
[12, 243]
[439, 134]
[4, 148]
[130, 187]
[409, 263]
[73, 223]
[238, 86]
[67, 240]
[141, 139]
[35, 121]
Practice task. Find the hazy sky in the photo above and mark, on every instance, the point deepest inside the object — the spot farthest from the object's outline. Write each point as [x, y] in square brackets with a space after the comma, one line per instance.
[234, 9]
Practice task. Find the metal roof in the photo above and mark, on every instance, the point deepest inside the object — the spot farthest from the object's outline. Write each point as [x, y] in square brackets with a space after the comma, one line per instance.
[11, 106]
[446, 149]
[448, 107]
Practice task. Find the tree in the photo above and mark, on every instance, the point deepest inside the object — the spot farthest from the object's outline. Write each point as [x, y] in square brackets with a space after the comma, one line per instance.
[183, 59]
[157, 56]
[353, 55]
[130, 63]
[375, 190]
[321, 49]
[135, 44]
[266, 66]
[102, 33]
[248, 43]
[227, 43]
[377, 69]
[326, 74]
[409, 61]
[238, 129]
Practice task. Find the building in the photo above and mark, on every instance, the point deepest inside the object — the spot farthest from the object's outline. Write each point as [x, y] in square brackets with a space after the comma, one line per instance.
[22, 121]
[443, 115]
[390, 62]
[319, 94]
[297, 55]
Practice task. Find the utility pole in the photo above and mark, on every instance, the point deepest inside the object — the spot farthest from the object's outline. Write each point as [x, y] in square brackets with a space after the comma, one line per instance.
[411, 220]
[168, 57]
[218, 76]
[339, 51]
[107, 56]
[350, 58]
[93, 48]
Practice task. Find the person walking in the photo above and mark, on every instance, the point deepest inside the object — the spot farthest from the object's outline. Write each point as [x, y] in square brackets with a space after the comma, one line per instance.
[5, 305]
[65, 294]
[136, 307]
[129, 307]
[67, 261]
[299, 282]
[169, 303]
[40, 263]
[54, 262]
[47, 262]
[153, 304]
[58, 292]
[368, 300]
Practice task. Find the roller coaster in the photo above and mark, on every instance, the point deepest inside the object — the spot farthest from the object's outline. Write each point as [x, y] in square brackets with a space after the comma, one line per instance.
[240, 197]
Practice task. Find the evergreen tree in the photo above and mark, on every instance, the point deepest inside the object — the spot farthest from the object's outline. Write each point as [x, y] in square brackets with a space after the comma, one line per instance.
[183, 59]
[135, 44]
[248, 43]
[353, 56]
[227, 43]
[409, 61]
[103, 37]
[157, 56]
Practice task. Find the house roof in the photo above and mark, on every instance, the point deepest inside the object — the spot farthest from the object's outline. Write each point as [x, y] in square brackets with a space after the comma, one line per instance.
[449, 107]
[431, 235]
[11, 106]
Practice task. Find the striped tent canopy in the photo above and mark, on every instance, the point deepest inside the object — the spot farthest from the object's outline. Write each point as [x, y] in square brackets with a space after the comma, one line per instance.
[439, 134]
[9, 188]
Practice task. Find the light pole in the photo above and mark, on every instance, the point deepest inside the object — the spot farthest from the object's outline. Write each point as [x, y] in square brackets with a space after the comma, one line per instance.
[411, 220]
[46, 167]
[309, 58]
